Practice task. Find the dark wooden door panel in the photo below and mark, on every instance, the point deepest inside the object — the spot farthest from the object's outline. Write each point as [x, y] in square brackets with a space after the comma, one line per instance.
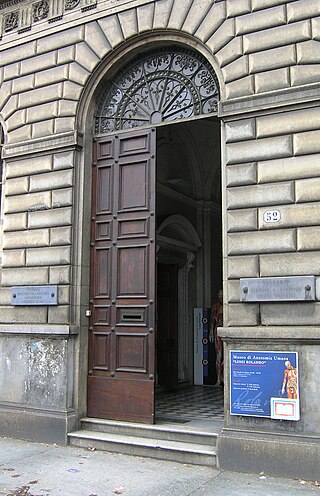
[121, 344]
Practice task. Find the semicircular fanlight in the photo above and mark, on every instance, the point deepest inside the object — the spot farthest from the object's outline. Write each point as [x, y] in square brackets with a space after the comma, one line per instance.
[160, 86]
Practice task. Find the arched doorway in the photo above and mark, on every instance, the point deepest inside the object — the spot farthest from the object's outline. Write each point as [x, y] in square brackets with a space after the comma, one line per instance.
[156, 88]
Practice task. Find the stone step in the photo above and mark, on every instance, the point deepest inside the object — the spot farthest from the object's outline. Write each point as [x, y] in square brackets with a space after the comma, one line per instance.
[205, 435]
[162, 449]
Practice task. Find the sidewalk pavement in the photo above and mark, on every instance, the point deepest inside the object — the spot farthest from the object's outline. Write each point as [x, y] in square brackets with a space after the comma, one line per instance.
[34, 469]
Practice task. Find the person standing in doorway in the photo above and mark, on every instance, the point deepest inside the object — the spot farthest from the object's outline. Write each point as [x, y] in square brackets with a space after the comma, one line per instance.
[217, 321]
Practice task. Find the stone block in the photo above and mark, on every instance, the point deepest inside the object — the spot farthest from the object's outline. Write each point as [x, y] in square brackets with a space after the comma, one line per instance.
[39, 96]
[71, 91]
[265, 4]
[10, 107]
[60, 236]
[272, 80]
[60, 274]
[63, 160]
[254, 196]
[232, 51]
[62, 198]
[16, 121]
[59, 314]
[86, 57]
[15, 222]
[222, 36]
[260, 149]
[239, 175]
[145, 16]
[315, 26]
[235, 8]
[67, 108]
[288, 122]
[290, 264]
[42, 112]
[243, 87]
[257, 21]
[23, 83]
[38, 64]
[44, 128]
[111, 28]
[23, 315]
[5, 296]
[16, 186]
[242, 220]
[211, 22]
[242, 314]
[11, 71]
[66, 55]
[64, 124]
[290, 313]
[272, 59]
[305, 214]
[308, 52]
[289, 168]
[50, 76]
[196, 14]
[17, 53]
[308, 190]
[64, 295]
[50, 218]
[233, 291]
[51, 180]
[13, 258]
[308, 238]
[261, 242]
[304, 74]
[24, 133]
[24, 167]
[309, 142]
[6, 93]
[48, 256]
[129, 22]
[24, 276]
[29, 202]
[236, 70]
[24, 239]
[303, 9]
[240, 130]
[96, 39]
[66, 38]
[78, 74]
[276, 37]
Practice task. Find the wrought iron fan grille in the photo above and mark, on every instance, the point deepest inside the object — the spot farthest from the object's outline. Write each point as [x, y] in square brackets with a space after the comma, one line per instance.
[161, 86]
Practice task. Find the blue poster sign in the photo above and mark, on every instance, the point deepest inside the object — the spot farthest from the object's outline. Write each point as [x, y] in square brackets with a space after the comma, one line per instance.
[264, 384]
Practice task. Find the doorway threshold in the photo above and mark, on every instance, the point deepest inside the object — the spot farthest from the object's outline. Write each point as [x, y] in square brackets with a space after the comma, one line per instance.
[190, 405]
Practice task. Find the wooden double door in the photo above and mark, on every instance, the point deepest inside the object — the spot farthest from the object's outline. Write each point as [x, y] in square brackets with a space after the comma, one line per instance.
[121, 374]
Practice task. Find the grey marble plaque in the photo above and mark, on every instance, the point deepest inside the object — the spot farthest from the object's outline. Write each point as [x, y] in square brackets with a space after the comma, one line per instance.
[34, 295]
[296, 288]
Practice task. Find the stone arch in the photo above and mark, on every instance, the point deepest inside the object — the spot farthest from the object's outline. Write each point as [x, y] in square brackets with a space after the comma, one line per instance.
[180, 225]
[117, 58]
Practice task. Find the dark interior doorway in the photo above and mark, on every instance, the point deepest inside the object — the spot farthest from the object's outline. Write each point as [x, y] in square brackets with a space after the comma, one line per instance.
[189, 259]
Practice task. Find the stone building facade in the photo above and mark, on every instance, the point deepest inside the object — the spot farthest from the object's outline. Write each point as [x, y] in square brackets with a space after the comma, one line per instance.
[56, 60]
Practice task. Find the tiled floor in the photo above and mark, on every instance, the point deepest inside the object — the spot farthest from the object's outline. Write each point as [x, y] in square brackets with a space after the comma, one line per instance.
[190, 403]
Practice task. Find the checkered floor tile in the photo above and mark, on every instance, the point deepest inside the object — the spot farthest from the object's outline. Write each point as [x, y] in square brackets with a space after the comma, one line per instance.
[191, 403]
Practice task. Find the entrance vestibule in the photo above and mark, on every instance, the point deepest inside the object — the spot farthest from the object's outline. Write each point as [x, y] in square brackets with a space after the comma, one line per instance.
[188, 258]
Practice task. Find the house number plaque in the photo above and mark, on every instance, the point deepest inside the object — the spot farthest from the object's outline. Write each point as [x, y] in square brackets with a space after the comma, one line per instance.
[34, 295]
